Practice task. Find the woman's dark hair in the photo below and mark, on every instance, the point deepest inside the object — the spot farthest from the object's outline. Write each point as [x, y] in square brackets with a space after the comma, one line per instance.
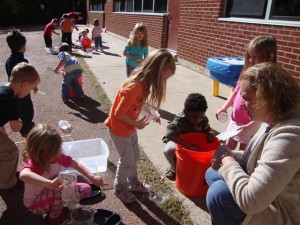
[195, 102]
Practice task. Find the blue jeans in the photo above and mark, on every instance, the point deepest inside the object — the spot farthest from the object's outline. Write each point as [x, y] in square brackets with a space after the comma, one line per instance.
[221, 205]
[98, 42]
[70, 79]
[129, 70]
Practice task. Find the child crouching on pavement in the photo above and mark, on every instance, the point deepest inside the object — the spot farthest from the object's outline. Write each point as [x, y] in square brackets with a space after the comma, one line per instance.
[192, 119]
[24, 78]
[43, 159]
[72, 72]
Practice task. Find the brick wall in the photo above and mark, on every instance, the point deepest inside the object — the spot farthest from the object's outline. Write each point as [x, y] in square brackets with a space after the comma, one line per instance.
[123, 23]
[201, 35]
[96, 15]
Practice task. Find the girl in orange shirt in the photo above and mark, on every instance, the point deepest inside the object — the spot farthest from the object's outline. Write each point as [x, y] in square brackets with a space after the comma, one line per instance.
[147, 84]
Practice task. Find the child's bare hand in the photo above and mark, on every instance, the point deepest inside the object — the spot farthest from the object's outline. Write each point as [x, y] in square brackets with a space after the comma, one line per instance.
[140, 124]
[210, 138]
[157, 120]
[194, 147]
[135, 57]
[35, 90]
[219, 111]
[98, 181]
[55, 184]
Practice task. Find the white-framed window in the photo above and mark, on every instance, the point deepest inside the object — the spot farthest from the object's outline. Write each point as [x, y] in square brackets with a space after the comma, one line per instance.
[264, 9]
[273, 12]
[141, 6]
[97, 5]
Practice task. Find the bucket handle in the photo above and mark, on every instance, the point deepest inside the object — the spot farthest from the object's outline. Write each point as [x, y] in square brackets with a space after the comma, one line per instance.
[179, 157]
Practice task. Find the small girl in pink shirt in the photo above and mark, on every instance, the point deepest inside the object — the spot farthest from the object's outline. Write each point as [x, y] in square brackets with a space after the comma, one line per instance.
[260, 49]
[43, 162]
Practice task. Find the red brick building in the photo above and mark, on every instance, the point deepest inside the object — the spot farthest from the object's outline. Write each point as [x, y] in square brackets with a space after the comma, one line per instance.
[198, 29]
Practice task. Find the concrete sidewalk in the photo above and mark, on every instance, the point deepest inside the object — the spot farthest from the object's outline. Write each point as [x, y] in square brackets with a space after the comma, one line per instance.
[109, 69]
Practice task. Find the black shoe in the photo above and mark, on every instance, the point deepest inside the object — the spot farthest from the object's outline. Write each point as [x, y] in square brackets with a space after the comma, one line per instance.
[170, 175]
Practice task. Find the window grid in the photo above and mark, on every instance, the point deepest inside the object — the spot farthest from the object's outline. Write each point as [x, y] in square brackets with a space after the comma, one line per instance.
[269, 11]
[137, 3]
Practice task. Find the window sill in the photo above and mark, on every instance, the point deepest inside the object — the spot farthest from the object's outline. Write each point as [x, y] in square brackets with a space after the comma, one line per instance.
[95, 11]
[262, 21]
[142, 13]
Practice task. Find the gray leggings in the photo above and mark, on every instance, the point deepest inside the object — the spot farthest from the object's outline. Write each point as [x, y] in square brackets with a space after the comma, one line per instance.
[129, 152]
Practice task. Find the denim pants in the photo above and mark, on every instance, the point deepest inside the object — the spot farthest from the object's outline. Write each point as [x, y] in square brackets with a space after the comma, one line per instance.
[98, 42]
[170, 155]
[221, 205]
[129, 152]
[129, 70]
[70, 80]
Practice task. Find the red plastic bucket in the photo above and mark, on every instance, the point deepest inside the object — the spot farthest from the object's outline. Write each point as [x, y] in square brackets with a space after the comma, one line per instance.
[86, 43]
[192, 165]
[72, 93]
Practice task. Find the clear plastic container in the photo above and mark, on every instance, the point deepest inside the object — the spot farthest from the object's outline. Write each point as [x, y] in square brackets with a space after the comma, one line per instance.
[70, 195]
[93, 153]
[149, 113]
[223, 117]
[82, 216]
[65, 126]
[158, 196]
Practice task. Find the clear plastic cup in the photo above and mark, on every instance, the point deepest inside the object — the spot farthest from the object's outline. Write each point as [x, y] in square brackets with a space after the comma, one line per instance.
[65, 126]
[223, 117]
[158, 196]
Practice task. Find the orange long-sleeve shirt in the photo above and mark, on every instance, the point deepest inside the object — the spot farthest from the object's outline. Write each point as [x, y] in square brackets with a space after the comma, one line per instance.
[66, 26]
[129, 101]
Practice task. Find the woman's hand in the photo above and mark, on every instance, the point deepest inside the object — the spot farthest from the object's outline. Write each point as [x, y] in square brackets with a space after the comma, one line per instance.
[221, 153]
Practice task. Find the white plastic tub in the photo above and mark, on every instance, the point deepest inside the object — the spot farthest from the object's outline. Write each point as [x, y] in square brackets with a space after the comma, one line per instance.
[93, 153]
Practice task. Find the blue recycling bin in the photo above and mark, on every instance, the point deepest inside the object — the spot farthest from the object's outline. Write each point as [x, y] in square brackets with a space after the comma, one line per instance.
[225, 70]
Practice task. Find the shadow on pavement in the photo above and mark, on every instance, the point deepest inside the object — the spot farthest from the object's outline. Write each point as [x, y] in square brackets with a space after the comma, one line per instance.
[137, 209]
[87, 110]
[16, 213]
[166, 115]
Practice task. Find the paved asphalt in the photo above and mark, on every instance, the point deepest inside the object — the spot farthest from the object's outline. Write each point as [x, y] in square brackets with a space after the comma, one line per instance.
[87, 118]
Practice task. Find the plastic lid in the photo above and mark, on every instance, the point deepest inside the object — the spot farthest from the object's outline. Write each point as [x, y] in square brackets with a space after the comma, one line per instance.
[223, 117]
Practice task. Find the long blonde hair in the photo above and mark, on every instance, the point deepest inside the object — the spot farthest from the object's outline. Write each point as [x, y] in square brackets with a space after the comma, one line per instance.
[276, 90]
[265, 48]
[139, 27]
[42, 144]
[151, 72]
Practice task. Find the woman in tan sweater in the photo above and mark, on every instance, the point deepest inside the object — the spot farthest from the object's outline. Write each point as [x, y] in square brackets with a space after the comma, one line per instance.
[261, 186]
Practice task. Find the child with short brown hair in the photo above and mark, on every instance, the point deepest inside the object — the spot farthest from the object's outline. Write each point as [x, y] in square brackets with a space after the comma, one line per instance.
[24, 78]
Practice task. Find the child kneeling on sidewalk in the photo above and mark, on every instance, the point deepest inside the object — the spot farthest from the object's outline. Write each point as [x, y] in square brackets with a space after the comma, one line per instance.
[73, 72]
[192, 119]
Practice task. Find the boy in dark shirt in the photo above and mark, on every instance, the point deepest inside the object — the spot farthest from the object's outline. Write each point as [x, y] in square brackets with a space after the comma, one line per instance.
[17, 43]
[23, 79]
[192, 119]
